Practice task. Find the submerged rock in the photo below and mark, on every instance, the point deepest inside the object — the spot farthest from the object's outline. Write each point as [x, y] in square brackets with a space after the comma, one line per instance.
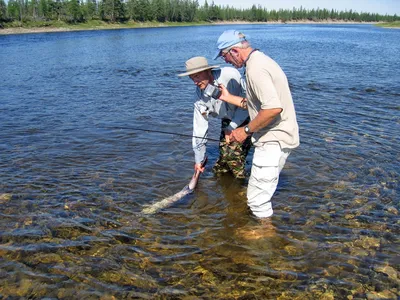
[368, 242]
[5, 197]
[381, 295]
[389, 271]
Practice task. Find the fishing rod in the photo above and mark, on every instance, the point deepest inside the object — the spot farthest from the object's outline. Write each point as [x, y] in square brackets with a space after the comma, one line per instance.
[166, 132]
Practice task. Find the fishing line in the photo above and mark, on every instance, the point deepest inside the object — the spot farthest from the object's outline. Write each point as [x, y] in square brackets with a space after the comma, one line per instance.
[166, 132]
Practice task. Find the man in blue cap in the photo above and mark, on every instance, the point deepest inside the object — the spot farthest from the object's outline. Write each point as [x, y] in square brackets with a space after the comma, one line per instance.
[273, 124]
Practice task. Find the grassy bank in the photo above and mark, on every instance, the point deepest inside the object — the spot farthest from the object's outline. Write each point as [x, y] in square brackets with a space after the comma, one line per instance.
[390, 24]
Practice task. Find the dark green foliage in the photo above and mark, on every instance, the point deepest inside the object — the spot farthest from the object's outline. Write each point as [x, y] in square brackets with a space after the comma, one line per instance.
[90, 10]
[159, 10]
[132, 9]
[13, 9]
[144, 11]
[44, 10]
[3, 12]
[58, 10]
[166, 11]
[112, 10]
[74, 12]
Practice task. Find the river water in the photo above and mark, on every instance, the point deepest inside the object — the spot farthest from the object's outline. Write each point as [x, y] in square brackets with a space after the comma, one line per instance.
[76, 172]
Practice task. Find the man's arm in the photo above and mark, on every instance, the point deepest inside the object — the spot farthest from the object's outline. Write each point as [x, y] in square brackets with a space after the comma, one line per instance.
[239, 116]
[228, 97]
[263, 119]
[200, 133]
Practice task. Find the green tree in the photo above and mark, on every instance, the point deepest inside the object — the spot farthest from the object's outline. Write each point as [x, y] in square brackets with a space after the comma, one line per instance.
[90, 10]
[172, 9]
[74, 11]
[13, 9]
[43, 9]
[132, 7]
[112, 10]
[33, 9]
[144, 11]
[57, 10]
[159, 10]
[202, 12]
[3, 12]
[214, 12]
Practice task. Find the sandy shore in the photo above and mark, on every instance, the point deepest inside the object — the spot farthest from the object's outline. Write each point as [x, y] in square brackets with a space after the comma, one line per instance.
[21, 30]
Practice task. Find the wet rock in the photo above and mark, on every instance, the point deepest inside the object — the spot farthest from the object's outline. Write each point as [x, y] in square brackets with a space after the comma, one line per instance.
[325, 216]
[320, 290]
[352, 175]
[63, 293]
[367, 242]
[341, 185]
[107, 297]
[205, 274]
[4, 198]
[381, 295]
[387, 270]
[293, 296]
[21, 235]
[393, 210]
[359, 252]
[360, 200]
[111, 276]
[349, 216]
[68, 230]
[25, 286]
[333, 271]
[100, 251]
[46, 258]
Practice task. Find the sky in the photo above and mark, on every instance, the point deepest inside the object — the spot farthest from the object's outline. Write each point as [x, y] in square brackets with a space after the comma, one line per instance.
[382, 7]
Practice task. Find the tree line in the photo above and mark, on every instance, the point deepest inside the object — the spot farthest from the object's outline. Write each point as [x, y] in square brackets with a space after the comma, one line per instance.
[76, 11]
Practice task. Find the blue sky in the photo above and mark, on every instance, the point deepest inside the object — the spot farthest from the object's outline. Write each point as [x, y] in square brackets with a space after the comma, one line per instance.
[383, 7]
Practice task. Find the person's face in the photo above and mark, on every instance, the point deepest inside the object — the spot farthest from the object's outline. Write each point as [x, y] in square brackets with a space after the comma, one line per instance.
[201, 79]
[232, 57]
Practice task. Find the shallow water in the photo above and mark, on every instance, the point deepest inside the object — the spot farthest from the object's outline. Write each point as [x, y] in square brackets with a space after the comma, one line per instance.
[75, 177]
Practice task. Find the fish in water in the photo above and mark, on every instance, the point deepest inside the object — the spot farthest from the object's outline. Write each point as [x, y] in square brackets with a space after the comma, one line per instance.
[188, 189]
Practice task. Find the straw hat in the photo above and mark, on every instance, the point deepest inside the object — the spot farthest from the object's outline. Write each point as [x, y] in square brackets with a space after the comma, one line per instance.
[197, 64]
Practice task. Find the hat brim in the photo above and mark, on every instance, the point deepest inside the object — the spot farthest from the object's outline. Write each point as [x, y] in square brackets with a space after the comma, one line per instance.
[198, 70]
[218, 54]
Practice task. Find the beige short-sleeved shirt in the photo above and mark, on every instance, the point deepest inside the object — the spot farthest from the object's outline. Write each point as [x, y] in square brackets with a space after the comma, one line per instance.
[267, 88]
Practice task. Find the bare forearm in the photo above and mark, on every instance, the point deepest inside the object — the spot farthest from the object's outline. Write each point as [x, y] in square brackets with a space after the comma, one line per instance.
[263, 119]
[232, 99]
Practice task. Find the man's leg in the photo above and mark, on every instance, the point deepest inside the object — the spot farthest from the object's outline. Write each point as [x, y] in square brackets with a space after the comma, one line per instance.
[236, 157]
[268, 160]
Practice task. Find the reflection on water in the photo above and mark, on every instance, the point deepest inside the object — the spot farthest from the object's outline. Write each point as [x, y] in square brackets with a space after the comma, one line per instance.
[75, 178]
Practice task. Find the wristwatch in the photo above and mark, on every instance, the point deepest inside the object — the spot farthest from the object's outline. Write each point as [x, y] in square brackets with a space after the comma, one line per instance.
[247, 130]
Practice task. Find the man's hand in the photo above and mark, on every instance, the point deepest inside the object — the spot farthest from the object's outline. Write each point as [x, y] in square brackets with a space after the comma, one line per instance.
[238, 135]
[227, 136]
[228, 97]
[224, 93]
[198, 167]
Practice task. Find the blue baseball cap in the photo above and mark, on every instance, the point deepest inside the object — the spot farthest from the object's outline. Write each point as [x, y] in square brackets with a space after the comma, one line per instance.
[227, 39]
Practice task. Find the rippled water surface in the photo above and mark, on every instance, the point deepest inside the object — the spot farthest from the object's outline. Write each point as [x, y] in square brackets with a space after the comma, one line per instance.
[75, 174]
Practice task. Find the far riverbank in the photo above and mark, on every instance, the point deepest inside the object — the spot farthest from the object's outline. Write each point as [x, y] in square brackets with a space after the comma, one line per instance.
[99, 25]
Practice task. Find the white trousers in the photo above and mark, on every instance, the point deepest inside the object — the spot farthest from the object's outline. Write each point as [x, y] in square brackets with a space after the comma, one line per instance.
[268, 161]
